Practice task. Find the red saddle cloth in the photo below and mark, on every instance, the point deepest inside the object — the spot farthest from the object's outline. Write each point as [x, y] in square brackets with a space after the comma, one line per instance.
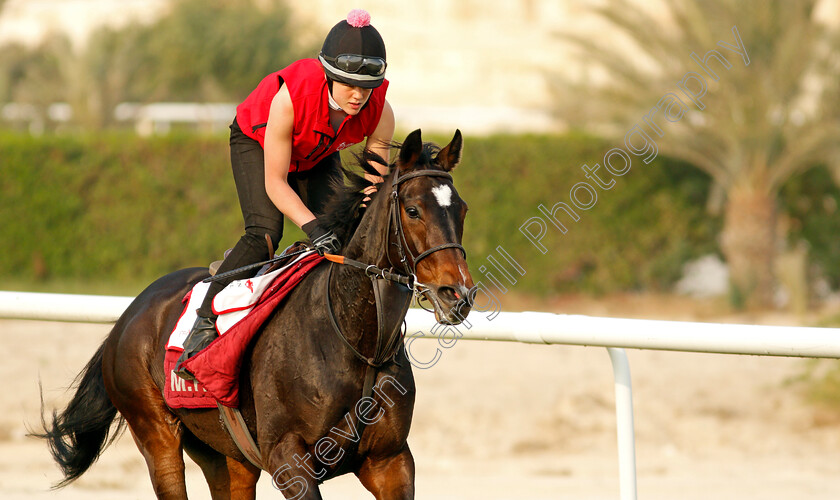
[216, 368]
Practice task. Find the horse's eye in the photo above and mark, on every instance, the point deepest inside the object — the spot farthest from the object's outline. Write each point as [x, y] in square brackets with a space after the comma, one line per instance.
[413, 212]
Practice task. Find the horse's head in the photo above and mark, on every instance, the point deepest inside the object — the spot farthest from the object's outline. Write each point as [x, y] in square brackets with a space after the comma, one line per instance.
[427, 223]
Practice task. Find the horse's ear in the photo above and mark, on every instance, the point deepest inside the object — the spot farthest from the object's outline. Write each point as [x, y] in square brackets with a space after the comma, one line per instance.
[411, 149]
[450, 156]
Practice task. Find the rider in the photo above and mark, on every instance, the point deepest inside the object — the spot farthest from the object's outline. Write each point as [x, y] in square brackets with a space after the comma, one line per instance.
[285, 143]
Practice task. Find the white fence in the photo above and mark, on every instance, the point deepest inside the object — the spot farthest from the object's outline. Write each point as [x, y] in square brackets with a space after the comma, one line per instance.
[530, 327]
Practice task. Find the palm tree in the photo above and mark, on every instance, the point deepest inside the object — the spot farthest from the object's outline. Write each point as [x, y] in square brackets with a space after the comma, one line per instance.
[761, 123]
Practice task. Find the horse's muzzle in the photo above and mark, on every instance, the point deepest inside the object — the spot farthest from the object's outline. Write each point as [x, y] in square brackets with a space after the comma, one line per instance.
[451, 303]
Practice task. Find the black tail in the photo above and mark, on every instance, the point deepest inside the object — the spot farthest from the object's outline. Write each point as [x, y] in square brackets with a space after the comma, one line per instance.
[79, 434]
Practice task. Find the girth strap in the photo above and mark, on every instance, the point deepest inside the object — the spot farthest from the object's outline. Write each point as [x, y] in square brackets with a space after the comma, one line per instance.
[238, 430]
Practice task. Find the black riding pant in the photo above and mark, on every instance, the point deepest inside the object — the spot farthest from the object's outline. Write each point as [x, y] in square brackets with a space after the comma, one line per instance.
[261, 216]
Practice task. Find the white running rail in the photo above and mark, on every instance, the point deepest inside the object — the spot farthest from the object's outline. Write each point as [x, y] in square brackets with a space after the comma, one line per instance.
[530, 327]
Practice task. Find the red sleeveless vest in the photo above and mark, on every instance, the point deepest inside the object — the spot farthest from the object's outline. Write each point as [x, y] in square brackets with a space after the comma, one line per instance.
[313, 139]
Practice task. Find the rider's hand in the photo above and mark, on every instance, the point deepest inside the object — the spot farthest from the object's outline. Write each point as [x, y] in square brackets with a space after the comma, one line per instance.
[323, 241]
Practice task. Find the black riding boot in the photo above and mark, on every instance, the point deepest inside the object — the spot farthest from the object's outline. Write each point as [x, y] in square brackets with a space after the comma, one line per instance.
[202, 334]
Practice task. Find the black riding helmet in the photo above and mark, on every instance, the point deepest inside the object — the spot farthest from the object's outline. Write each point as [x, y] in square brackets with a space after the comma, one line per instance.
[354, 53]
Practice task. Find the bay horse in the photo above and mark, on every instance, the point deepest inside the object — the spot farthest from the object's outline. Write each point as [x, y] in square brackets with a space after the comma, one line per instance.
[319, 358]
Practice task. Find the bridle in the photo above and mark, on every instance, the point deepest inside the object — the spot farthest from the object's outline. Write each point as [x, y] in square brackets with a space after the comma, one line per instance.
[399, 284]
[408, 261]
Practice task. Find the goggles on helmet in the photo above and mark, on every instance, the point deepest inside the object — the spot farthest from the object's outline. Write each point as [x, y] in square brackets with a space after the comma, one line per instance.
[357, 64]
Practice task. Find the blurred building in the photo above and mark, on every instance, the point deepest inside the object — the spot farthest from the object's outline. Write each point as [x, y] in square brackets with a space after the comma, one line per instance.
[479, 65]
[28, 21]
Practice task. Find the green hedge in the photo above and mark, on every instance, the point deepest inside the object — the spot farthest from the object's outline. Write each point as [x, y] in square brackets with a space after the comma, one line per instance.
[113, 207]
[636, 236]
[118, 207]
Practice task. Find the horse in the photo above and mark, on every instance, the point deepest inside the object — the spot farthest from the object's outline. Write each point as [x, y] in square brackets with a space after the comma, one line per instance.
[318, 361]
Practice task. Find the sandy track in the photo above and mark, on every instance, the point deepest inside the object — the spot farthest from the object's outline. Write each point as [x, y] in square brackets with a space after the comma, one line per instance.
[503, 421]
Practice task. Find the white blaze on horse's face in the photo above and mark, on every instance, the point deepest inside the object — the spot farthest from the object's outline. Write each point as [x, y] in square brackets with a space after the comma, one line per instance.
[443, 195]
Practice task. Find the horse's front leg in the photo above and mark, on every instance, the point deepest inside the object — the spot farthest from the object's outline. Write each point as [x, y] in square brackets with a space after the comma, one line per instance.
[390, 478]
[292, 469]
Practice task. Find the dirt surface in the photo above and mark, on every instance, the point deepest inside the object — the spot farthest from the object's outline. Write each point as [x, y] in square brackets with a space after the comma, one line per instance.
[510, 421]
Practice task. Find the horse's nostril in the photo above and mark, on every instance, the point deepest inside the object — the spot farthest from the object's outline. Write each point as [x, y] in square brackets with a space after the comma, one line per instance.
[449, 293]
[453, 293]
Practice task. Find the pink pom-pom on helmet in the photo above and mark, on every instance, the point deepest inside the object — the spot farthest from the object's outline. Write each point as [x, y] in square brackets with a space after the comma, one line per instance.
[358, 18]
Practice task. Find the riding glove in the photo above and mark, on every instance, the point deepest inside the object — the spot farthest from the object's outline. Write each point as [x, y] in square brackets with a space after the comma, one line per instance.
[323, 240]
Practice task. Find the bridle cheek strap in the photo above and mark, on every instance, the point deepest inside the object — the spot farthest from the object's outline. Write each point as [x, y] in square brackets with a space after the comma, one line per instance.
[402, 243]
[389, 287]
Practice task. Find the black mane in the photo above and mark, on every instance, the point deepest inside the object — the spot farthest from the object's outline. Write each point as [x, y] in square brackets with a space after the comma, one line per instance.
[344, 210]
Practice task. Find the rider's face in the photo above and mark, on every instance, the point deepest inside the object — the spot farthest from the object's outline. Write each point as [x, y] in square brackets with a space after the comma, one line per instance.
[351, 99]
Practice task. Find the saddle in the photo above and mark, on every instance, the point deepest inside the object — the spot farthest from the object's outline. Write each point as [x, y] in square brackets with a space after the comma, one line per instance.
[216, 368]
[243, 307]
